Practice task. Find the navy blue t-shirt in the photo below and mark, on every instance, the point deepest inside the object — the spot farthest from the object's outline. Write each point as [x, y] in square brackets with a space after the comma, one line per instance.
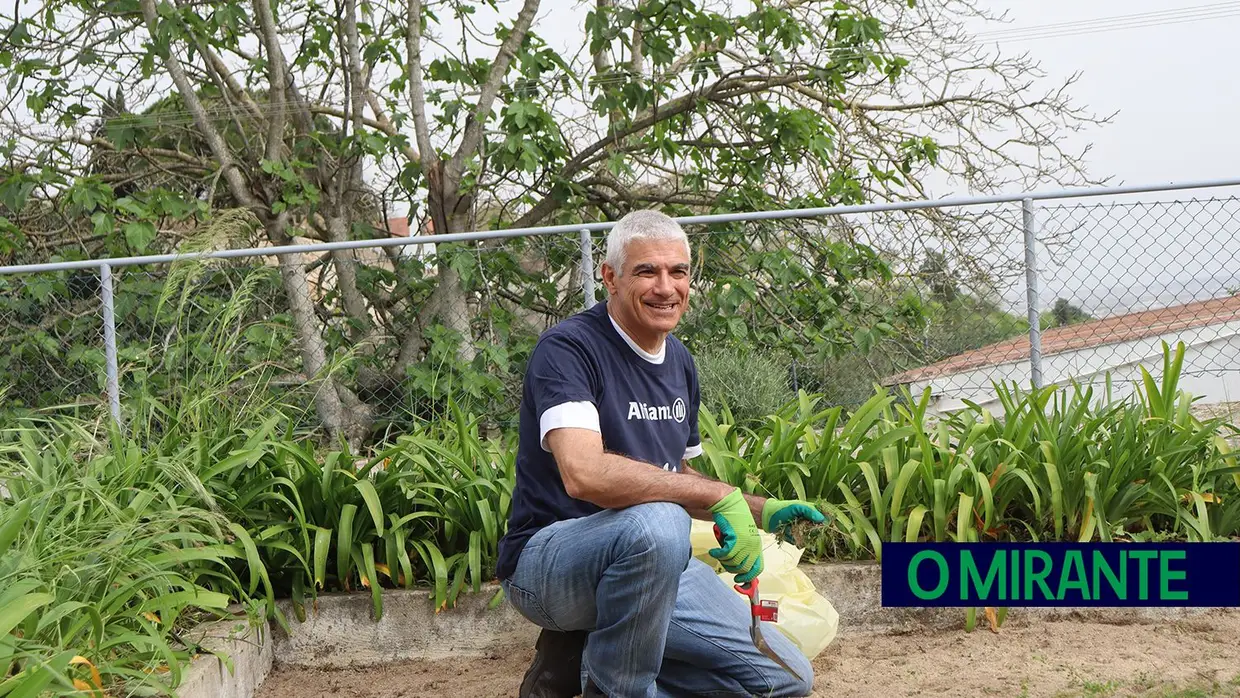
[584, 373]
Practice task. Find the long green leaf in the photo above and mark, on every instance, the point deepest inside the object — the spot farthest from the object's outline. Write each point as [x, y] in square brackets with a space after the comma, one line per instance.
[258, 570]
[322, 545]
[14, 612]
[964, 528]
[372, 503]
[1052, 478]
[344, 542]
[14, 518]
[915, 517]
[376, 592]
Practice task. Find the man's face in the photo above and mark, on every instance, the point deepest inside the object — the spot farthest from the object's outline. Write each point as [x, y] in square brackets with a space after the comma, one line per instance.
[653, 292]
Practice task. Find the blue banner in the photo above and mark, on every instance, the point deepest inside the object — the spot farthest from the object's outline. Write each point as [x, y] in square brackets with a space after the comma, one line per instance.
[1061, 574]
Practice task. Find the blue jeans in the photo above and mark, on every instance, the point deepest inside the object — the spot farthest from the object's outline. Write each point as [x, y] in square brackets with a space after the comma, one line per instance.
[660, 622]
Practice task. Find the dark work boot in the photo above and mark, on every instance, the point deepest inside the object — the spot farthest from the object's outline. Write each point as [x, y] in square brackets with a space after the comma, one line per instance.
[556, 669]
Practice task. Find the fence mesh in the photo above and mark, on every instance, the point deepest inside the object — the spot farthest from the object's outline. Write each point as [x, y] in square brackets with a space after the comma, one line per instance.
[964, 272]
[51, 341]
[369, 341]
[1123, 278]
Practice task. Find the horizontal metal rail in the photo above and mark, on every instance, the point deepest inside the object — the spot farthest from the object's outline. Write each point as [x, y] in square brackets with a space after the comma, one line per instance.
[947, 202]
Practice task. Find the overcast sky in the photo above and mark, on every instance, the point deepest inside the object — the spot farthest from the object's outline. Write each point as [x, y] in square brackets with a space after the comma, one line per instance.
[1178, 98]
[1174, 86]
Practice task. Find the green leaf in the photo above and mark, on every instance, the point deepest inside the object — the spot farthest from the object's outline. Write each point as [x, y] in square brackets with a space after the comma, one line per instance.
[322, 544]
[14, 518]
[15, 611]
[737, 328]
[371, 498]
[139, 235]
[344, 542]
[14, 193]
[258, 571]
[914, 523]
[376, 592]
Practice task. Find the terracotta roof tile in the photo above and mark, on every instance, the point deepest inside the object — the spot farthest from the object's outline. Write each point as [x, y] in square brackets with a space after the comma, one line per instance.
[1121, 328]
[398, 227]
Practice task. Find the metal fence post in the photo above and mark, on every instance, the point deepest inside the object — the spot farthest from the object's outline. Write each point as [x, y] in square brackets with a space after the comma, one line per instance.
[109, 342]
[587, 268]
[1031, 294]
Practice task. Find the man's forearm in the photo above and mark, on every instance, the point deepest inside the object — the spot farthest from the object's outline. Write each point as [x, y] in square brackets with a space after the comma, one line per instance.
[629, 483]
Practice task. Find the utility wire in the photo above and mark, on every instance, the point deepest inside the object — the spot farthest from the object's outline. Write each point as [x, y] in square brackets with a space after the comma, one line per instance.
[1137, 19]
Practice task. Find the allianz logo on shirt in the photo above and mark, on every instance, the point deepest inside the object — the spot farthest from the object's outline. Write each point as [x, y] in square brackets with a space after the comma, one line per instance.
[641, 410]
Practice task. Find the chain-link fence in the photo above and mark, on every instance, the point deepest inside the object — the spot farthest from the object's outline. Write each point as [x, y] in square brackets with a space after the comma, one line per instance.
[1129, 276]
[1113, 283]
[52, 350]
[367, 340]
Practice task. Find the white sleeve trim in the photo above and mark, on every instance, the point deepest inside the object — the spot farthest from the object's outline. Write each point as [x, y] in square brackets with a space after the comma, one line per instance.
[579, 415]
[693, 451]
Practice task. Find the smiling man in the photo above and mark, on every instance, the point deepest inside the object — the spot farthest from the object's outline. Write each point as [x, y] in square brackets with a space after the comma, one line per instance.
[597, 551]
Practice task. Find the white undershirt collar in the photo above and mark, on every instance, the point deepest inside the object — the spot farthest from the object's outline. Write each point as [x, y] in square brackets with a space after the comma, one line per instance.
[655, 358]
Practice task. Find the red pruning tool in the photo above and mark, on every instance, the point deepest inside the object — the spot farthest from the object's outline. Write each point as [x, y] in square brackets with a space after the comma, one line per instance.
[759, 611]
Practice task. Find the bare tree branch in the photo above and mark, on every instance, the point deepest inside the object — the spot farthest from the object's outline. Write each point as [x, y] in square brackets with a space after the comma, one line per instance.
[413, 72]
[472, 137]
[219, 149]
[275, 74]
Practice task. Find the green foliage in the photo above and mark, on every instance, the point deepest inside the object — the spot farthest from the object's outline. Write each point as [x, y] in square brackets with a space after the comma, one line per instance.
[111, 545]
[747, 384]
[101, 540]
[947, 328]
[1058, 464]
[798, 294]
[104, 556]
[428, 509]
[1062, 314]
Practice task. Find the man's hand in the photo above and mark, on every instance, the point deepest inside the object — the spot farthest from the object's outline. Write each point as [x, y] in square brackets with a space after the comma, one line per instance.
[741, 551]
[777, 513]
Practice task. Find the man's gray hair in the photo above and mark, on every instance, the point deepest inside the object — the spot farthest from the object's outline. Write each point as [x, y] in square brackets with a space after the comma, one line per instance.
[641, 225]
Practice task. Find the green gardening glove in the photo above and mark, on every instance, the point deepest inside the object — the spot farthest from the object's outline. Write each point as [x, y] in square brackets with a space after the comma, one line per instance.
[741, 551]
[777, 513]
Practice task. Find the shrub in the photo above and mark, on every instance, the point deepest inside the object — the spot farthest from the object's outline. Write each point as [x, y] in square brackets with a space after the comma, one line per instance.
[1057, 464]
[103, 563]
[746, 384]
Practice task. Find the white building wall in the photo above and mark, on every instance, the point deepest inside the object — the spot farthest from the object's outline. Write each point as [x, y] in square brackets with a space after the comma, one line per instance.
[1211, 370]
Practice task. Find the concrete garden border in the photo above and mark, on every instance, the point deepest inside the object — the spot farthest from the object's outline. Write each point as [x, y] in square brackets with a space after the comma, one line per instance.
[340, 633]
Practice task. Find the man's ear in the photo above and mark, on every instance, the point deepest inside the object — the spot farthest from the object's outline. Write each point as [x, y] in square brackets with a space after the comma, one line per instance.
[609, 278]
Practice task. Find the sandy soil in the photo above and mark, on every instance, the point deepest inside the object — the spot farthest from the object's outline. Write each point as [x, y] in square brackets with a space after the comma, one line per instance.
[1193, 657]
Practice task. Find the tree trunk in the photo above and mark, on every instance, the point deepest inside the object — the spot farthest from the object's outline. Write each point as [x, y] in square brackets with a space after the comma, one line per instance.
[346, 275]
[410, 349]
[450, 213]
[449, 298]
[341, 412]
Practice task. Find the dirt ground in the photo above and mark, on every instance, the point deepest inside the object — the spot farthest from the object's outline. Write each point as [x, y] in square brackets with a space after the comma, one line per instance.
[1199, 656]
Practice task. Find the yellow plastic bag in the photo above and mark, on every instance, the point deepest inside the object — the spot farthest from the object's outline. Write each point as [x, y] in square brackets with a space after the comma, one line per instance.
[806, 617]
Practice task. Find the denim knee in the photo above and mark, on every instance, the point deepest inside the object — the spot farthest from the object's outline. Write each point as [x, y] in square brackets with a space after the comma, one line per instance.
[784, 685]
[797, 688]
[661, 529]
